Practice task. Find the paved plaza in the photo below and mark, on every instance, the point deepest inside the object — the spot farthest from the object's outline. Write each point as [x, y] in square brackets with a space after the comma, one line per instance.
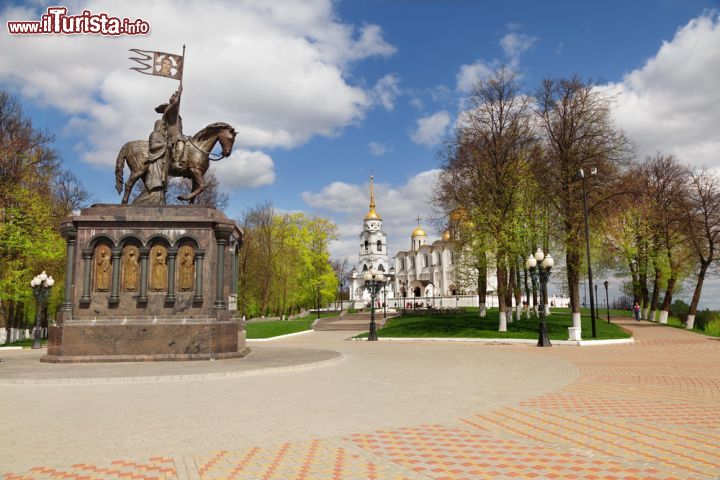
[315, 406]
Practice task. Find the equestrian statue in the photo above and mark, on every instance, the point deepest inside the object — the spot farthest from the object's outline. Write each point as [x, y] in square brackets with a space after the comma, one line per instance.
[167, 152]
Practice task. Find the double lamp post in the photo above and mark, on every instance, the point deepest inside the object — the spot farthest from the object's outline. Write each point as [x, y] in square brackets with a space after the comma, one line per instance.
[374, 282]
[41, 286]
[539, 266]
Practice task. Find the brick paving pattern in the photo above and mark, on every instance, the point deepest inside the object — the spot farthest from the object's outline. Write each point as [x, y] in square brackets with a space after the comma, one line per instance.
[643, 411]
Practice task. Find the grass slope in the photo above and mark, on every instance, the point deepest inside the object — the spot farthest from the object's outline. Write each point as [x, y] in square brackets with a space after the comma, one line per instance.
[279, 327]
[467, 324]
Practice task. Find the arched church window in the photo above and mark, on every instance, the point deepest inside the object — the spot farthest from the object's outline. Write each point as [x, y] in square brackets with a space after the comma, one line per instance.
[439, 258]
[381, 268]
[365, 269]
[379, 246]
[412, 262]
[367, 245]
[426, 260]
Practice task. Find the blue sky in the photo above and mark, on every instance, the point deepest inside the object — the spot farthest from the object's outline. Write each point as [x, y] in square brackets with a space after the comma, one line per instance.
[324, 93]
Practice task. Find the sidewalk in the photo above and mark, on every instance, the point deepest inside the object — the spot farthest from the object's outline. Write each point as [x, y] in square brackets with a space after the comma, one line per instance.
[387, 410]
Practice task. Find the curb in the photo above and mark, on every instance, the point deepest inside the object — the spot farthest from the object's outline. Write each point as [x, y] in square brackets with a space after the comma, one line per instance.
[10, 348]
[172, 378]
[507, 341]
[270, 339]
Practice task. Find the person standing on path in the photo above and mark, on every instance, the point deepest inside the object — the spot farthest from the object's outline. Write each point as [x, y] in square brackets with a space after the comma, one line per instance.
[636, 311]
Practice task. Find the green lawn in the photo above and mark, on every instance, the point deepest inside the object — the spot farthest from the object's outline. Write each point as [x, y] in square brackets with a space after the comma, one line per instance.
[27, 343]
[467, 324]
[280, 327]
[711, 330]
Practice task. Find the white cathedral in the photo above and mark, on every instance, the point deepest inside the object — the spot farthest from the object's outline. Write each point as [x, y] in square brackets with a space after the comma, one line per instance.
[425, 270]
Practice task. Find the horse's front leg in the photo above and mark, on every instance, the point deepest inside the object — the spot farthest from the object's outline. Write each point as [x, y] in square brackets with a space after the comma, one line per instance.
[198, 181]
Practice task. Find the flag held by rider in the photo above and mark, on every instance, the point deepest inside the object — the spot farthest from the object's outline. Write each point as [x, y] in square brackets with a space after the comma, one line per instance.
[160, 64]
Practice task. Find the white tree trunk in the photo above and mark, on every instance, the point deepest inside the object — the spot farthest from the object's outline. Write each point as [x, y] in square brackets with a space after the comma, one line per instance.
[645, 313]
[503, 323]
[547, 309]
[577, 323]
[663, 316]
[652, 316]
[690, 322]
[483, 310]
[518, 312]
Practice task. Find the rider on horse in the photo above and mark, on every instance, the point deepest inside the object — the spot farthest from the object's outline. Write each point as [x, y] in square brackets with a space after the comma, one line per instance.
[173, 125]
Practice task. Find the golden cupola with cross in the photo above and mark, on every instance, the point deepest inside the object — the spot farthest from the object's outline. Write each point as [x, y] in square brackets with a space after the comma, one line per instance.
[418, 237]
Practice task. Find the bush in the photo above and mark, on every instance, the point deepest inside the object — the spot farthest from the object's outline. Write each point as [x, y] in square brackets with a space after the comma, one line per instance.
[713, 327]
[679, 309]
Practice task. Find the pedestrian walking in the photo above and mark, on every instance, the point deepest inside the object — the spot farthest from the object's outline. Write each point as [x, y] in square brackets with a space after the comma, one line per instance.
[636, 311]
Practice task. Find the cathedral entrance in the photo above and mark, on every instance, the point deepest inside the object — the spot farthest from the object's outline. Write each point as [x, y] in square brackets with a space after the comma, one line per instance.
[417, 292]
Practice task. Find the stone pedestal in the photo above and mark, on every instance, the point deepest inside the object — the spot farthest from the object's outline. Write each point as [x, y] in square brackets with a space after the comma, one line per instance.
[148, 283]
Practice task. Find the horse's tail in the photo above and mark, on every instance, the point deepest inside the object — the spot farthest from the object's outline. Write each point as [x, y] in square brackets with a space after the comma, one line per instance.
[119, 165]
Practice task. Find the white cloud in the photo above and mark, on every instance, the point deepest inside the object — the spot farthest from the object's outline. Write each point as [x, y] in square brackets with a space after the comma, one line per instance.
[470, 74]
[672, 103]
[515, 44]
[245, 169]
[277, 71]
[386, 90]
[398, 205]
[378, 149]
[430, 129]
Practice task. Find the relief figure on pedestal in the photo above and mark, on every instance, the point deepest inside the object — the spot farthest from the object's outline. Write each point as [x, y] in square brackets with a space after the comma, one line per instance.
[103, 268]
[130, 268]
[186, 279]
[158, 269]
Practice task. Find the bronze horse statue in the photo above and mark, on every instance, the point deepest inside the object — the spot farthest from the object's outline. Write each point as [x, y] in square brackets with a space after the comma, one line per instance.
[195, 162]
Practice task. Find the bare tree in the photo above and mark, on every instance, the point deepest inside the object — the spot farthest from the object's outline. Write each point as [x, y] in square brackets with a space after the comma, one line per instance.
[667, 189]
[703, 223]
[485, 168]
[340, 267]
[578, 132]
[70, 194]
[212, 196]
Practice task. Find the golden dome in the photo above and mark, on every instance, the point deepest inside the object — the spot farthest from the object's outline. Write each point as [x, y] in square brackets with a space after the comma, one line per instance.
[446, 235]
[418, 232]
[372, 214]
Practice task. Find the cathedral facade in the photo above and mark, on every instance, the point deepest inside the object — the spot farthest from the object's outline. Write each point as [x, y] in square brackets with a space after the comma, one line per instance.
[426, 270]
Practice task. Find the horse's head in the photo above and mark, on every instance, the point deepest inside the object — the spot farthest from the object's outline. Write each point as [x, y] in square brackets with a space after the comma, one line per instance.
[218, 132]
[227, 140]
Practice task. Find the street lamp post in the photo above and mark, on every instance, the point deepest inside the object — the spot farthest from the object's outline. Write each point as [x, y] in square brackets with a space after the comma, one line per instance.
[539, 266]
[41, 286]
[384, 302]
[607, 300]
[373, 282]
[580, 175]
[318, 301]
[342, 284]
